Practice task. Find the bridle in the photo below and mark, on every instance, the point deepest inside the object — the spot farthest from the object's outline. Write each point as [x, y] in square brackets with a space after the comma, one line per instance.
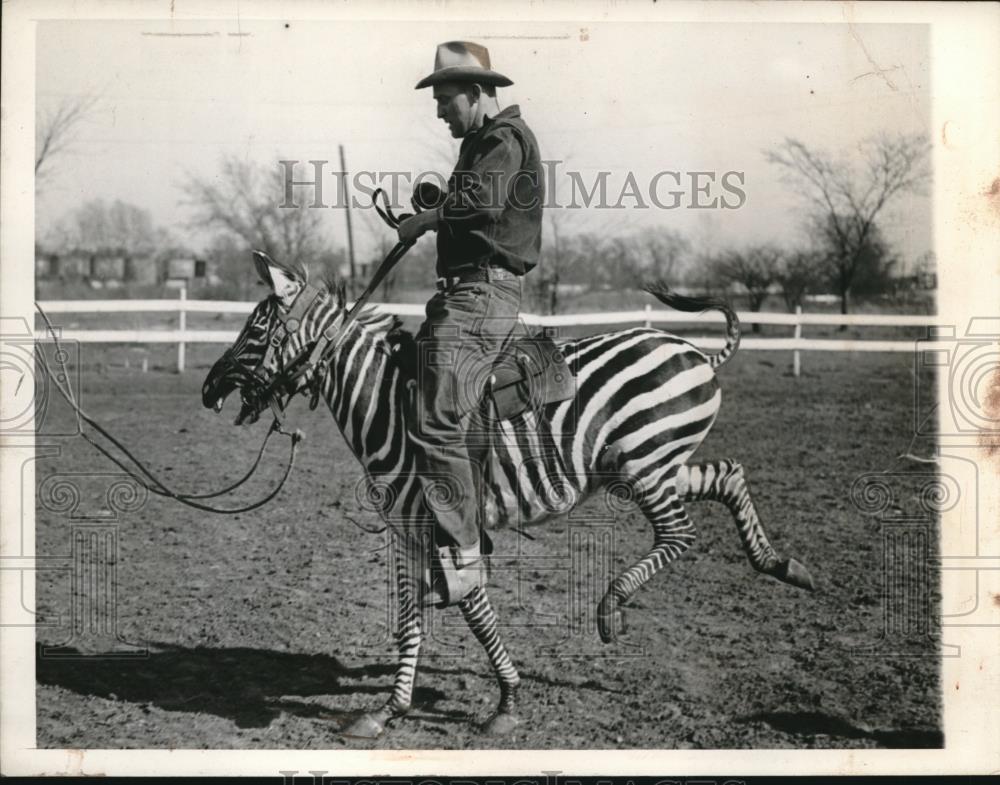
[143, 475]
[256, 389]
[313, 356]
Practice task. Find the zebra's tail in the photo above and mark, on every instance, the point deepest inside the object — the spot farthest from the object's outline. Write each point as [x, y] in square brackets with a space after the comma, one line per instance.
[680, 302]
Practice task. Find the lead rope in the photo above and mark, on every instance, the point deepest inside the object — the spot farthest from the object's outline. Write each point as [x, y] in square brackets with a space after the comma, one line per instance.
[150, 482]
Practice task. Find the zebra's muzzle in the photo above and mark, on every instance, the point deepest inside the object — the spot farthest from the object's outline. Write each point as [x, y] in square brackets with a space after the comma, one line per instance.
[214, 396]
[249, 413]
[227, 375]
[220, 382]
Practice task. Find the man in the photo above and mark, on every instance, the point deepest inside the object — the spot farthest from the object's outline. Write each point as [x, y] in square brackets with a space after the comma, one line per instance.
[489, 229]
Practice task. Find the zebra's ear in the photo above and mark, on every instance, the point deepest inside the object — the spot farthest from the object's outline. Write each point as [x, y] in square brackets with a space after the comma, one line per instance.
[261, 261]
[265, 264]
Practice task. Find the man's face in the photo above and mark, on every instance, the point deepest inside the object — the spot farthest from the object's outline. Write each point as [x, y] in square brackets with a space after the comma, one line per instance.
[455, 105]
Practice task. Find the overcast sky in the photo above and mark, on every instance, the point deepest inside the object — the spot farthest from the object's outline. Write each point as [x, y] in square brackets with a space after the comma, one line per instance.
[619, 97]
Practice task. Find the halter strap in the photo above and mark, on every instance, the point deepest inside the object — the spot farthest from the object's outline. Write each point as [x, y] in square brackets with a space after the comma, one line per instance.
[289, 321]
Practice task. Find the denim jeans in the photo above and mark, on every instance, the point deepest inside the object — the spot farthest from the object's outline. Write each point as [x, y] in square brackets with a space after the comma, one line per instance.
[465, 329]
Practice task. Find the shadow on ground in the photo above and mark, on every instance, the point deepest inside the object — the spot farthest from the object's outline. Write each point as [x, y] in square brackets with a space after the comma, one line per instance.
[251, 687]
[814, 723]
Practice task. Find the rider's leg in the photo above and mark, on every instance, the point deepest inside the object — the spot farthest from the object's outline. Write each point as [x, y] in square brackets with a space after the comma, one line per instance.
[458, 344]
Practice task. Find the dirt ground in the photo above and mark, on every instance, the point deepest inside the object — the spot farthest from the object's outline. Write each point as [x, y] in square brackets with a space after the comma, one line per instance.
[270, 629]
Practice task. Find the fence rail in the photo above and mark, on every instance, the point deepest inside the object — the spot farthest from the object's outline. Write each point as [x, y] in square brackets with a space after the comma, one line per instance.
[648, 316]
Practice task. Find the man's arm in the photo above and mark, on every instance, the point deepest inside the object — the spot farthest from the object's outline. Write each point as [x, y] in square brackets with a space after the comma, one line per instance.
[414, 226]
[480, 192]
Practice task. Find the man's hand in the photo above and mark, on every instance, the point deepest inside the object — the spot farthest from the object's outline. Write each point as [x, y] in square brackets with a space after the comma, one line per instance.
[410, 229]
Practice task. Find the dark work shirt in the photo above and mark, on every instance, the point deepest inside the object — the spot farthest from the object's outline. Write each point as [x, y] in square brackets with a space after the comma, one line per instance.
[492, 214]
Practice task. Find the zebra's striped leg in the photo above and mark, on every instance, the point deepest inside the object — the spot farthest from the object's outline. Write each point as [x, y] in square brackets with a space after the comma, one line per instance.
[482, 621]
[673, 534]
[725, 481]
[409, 635]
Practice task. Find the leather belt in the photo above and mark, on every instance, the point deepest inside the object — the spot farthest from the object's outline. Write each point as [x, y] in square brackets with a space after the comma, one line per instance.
[486, 274]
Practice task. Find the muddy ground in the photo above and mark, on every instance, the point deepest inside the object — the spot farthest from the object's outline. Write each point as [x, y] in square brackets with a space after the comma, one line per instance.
[270, 629]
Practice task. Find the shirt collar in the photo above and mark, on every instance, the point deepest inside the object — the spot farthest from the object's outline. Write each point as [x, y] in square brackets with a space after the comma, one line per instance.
[504, 114]
[509, 113]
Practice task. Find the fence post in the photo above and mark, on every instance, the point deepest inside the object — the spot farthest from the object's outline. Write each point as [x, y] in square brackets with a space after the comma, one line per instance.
[649, 309]
[796, 361]
[183, 329]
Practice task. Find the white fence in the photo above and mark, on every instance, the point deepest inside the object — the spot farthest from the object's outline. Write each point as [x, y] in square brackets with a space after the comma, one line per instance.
[648, 316]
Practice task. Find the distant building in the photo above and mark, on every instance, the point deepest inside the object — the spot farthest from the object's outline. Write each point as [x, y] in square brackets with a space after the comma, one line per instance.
[189, 271]
[362, 270]
[570, 289]
[98, 268]
[923, 280]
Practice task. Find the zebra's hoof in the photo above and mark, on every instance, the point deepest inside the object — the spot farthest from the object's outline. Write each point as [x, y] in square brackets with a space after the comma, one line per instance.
[367, 726]
[794, 572]
[610, 623]
[500, 724]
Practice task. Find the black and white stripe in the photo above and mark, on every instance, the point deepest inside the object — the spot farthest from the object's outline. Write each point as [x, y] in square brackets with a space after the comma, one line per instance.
[645, 400]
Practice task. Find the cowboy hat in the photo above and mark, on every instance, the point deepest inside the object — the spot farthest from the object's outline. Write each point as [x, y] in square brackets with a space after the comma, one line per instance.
[463, 61]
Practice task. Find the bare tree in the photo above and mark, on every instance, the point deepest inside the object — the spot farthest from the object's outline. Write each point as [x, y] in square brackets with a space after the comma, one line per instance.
[119, 229]
[876, 267]
[755, 268]
[55, 128]
[797, 273]
[662, 254]
[229, 258]
[560, 249]
[615, 260]
[96, 226]
[555, 259]
[845, 202]
[243, 200]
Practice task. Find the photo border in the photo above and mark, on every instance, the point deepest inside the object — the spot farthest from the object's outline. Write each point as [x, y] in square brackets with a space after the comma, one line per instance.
[966, 204]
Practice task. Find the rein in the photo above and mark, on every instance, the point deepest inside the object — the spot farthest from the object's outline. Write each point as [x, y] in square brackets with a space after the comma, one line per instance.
[307, 359]
[260, 391]
[145, 477]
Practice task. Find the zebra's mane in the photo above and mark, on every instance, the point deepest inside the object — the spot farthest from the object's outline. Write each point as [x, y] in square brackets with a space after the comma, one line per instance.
[377, 322]
[398, 343]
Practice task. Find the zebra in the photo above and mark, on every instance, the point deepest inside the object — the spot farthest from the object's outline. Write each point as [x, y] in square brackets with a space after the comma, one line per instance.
[645, 400]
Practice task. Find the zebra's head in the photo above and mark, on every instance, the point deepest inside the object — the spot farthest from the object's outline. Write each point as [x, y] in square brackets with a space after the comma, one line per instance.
[239, 367]
[255, 363]
[270, 358]
[316, 337]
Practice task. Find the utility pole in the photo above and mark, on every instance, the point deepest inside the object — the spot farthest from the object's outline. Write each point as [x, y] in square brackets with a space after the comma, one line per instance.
[350, 234]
